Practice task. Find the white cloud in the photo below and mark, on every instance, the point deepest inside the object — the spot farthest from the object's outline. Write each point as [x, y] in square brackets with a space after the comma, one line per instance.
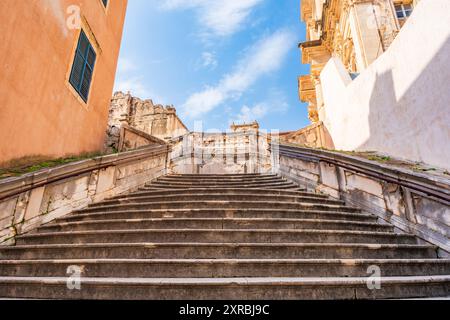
[219, 17]
[249, 114]
[275, 102]
[266, 56]
[203, 102]
[209, 60]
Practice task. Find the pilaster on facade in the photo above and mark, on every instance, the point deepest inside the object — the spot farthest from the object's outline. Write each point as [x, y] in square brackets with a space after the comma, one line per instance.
[307, 93]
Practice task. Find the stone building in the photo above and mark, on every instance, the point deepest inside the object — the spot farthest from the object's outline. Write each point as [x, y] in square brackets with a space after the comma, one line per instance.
[355, 31]
[142, 115]
[244, 149]
[58, 63]
[378, 76]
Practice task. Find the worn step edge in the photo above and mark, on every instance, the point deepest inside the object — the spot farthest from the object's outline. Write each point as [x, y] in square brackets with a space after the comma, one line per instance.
[222, 176]
[225, 175]
[223, 184]
[291, 188]
[240, 193]
[234, 184]
[93, 216]
[232, 210]
[195, 182]
[147, 199]
[219, 202]
[257, 191]
[312, 281]
[218, 231]
[220, 180]
[346, 262]
[371, 246]
[249, 220]
[226, 288]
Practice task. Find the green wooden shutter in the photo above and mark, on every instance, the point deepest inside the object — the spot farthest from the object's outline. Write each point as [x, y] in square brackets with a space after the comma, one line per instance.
[83, 67]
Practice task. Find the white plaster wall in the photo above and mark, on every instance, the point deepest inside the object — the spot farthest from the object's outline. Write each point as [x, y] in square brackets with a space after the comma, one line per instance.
[400, 104]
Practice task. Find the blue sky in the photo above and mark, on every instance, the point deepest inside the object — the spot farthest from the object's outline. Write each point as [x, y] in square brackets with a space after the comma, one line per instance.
[217, 61]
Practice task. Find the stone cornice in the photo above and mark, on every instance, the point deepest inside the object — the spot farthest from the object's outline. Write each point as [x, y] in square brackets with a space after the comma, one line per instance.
[314, 50]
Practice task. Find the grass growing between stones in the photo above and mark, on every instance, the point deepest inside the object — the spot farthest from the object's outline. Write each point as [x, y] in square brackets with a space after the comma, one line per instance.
[18, 167]
[387, 160]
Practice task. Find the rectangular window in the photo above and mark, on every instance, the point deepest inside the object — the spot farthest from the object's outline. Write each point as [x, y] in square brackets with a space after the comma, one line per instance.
[83, 67]
[105, 3]
[403, 10]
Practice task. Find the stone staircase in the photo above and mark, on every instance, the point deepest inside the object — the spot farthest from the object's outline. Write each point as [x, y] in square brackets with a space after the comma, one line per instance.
[220, 237]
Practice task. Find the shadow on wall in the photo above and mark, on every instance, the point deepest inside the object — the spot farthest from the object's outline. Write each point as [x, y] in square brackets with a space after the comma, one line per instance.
[418, 123]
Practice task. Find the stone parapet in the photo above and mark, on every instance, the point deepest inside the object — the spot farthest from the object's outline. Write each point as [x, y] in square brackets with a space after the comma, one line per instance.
[35, 199]
[414, 202]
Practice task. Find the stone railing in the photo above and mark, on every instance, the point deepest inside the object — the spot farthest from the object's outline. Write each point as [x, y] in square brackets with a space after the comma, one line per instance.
[414, 202]
[131, 139]
[37, 198]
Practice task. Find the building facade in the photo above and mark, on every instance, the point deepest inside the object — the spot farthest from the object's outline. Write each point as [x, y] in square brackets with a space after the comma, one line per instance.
[379, 77]
[58, 60]
[355, 31]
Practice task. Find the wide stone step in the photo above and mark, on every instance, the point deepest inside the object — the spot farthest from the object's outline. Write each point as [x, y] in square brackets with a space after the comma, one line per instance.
[216, 236]
[229, 191]
[237, 182]
[272, 185]
[225, 288]
[225, 204]
[288, 187]
[218, 197]
[220, 180]
[222, 176]
[224, 268]
[214, 223]
[187, 250]
[276, 182]
[201, 182]
[219, 213]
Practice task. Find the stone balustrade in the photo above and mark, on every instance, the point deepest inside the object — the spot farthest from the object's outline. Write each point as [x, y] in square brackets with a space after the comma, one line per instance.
[34, 199]
[414, 202]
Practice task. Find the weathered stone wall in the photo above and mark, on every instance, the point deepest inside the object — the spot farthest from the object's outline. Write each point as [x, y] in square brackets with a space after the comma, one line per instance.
[35, 199]
[413, 202]
[155, 120]
[244, 150]
[131, 139]
[313, 136]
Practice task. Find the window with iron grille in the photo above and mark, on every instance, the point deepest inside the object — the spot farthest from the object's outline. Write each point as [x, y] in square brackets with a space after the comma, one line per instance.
[83, 67]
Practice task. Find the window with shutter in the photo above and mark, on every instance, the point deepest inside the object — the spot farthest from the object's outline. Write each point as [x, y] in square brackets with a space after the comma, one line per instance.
[83, 67]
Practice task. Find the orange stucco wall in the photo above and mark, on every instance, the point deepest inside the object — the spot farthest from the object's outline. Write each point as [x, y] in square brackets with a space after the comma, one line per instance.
[40, 113]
